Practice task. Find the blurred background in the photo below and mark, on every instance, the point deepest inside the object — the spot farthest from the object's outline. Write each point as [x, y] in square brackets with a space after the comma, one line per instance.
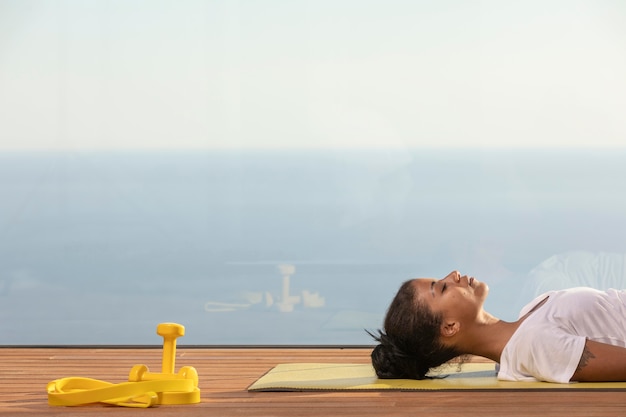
[269, 173]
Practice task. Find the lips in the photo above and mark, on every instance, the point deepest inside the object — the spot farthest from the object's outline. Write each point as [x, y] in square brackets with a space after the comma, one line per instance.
[471, 281]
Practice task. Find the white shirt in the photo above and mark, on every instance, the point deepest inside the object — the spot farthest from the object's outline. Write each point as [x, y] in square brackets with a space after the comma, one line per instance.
[548, 344]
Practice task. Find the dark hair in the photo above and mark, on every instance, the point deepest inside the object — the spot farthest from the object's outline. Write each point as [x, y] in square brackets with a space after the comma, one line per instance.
[409, 343]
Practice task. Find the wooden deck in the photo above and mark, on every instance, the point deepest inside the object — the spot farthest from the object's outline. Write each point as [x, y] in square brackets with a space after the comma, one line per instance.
[225, 375]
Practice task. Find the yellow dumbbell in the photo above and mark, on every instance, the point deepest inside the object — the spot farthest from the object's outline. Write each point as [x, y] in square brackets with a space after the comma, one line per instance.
[170, 332]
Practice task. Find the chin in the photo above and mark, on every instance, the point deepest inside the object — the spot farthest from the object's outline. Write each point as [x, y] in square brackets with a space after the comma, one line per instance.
[482, 289]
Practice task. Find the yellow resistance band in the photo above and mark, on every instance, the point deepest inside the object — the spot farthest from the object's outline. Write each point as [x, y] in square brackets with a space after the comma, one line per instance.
[144, 389]
[80, 391]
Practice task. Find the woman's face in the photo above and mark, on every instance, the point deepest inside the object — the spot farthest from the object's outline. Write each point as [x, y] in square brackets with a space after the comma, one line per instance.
[457, 297]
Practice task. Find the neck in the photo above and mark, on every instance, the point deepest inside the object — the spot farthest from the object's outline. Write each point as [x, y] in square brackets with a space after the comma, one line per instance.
[487, 336]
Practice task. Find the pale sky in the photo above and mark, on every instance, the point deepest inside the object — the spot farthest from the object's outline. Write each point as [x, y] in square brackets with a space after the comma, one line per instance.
[130, 74]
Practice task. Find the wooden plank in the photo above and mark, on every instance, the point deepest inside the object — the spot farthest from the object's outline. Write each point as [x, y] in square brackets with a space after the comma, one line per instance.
[225, 374]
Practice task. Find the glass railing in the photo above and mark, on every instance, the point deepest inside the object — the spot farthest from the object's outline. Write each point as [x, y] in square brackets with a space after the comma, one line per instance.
[270, 172]
[290, 247]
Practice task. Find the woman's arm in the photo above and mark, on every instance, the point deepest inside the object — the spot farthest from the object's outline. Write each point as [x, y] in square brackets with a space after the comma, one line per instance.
[601, 362]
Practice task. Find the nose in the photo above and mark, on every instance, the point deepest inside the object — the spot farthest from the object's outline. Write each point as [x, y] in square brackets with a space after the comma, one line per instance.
[454, 276]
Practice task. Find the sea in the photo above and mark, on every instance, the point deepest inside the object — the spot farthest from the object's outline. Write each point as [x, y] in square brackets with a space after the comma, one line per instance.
[290, 247]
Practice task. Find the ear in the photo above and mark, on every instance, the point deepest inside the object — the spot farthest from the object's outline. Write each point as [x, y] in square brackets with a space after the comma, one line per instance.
[450, 328]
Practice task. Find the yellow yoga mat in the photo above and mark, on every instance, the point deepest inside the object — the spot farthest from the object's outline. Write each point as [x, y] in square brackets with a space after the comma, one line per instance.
[355, 377]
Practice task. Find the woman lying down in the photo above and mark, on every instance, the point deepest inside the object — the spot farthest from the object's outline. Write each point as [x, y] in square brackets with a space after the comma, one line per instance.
[564, 336]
